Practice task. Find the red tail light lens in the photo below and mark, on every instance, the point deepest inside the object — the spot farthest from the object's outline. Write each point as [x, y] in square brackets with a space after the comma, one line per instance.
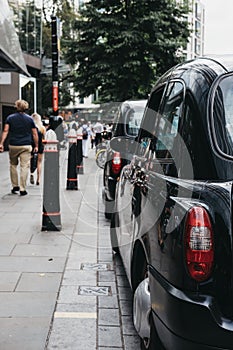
[116, 162]
[199, 252]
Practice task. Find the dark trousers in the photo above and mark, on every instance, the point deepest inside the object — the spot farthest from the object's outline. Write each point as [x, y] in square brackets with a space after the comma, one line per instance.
[98, 138]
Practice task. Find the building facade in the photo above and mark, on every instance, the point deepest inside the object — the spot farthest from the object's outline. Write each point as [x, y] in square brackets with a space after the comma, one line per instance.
[196, 18]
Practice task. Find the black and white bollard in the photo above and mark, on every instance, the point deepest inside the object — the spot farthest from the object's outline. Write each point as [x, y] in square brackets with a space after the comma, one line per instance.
[79, 166]
[72, 178]
[51, 217]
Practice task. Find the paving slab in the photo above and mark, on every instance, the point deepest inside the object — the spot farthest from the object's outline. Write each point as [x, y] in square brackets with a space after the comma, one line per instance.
[64, 289]
[24, 333]
[39, 282]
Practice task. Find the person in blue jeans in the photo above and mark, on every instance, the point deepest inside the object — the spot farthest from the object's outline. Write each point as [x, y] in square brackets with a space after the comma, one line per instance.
[22, 130]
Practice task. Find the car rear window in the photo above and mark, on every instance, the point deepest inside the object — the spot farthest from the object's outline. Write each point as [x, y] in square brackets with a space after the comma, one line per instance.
[222, 115]
[133, 120]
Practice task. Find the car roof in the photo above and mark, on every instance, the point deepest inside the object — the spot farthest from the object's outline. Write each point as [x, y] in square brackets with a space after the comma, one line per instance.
[218, 63]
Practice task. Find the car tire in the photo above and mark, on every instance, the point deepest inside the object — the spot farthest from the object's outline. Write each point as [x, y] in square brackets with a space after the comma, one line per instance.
[108, 209]
[113, 236]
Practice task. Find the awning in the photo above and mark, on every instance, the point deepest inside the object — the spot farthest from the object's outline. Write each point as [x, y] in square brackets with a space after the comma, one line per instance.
[11, 56]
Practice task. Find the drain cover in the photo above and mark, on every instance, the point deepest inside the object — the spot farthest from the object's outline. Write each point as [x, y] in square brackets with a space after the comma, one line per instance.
[95, 266]
[96, 291]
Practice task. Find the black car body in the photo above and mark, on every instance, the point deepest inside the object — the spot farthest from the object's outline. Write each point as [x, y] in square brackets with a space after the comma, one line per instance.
[121, 147]
[173, 216]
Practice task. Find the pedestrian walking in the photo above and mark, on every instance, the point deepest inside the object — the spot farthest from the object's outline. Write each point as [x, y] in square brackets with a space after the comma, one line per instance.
[86, 131]
[21, 129]
[98, 129]
[41, 130]
[92, 137]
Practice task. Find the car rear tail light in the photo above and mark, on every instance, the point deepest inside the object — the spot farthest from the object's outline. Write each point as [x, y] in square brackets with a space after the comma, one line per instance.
[116, 162]
[199, 251]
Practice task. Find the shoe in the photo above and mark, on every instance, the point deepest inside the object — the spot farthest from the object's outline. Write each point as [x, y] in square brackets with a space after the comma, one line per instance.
[37, 182]
[31, 179]
[23, 193]
[15, 190]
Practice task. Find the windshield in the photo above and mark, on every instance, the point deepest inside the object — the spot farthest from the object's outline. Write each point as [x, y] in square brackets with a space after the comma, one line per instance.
[223, 115]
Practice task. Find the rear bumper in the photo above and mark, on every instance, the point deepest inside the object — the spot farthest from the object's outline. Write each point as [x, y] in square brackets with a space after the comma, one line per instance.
[187, 321]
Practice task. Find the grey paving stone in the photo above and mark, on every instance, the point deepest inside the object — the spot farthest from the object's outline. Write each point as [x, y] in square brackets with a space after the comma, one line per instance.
[125, 293]
[106, 276]
[73, 334]
[109, 336]
[111, 284]
[76, 307]
[27, 304]
[6, 248]
[14, 237]
[80, 251]
[74, 277]
[83, 226]
[105, 257]
[85, 241]
[122, 281]
[51, 238]
[32, 264]
[127, 325]
[69, 295]
[43, 282]
[132, 342]
[24, 333]
[108, 317]
[120, 271]
[75, 260]
[126, 307]
[112, 347]
[108, 302]
[8, 281]
[39, 250]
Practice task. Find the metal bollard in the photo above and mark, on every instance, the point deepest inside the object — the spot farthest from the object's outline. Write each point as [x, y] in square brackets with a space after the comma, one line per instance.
[72, 181]
[79, 166]
[51, 218]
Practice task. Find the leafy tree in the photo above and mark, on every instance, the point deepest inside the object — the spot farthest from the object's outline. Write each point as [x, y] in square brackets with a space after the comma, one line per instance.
[124, 45]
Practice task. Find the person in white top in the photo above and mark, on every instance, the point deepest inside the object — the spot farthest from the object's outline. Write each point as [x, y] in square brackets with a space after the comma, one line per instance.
[98, 129]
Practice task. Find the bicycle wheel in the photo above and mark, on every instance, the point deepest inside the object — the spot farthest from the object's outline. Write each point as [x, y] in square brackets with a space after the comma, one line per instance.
[101, 158]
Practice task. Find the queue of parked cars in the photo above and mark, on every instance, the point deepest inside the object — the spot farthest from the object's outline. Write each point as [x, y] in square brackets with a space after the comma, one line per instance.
[120, 149]
[172, 217]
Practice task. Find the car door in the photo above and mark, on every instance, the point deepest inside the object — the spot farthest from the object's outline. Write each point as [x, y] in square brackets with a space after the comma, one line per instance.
[159, 171]
[129, 186]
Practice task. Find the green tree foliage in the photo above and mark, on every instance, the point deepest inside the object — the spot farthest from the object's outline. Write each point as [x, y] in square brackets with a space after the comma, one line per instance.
[124, 45]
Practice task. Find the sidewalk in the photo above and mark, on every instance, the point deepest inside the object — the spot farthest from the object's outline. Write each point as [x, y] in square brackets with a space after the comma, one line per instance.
[61, 290]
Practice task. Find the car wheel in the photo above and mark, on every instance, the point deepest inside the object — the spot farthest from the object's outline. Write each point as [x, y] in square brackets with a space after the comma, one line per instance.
[108, 210]
[113, 236]
[109, 205]
[101, 158]
[153, 342]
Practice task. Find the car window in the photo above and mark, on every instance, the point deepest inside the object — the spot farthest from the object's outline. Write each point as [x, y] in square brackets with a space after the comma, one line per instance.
[168, 124]
[133, 120]
[151, 115]
[222, 115]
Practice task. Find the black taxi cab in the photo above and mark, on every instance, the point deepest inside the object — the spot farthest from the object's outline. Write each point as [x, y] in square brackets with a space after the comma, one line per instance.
[120, 149]
[172, 223]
